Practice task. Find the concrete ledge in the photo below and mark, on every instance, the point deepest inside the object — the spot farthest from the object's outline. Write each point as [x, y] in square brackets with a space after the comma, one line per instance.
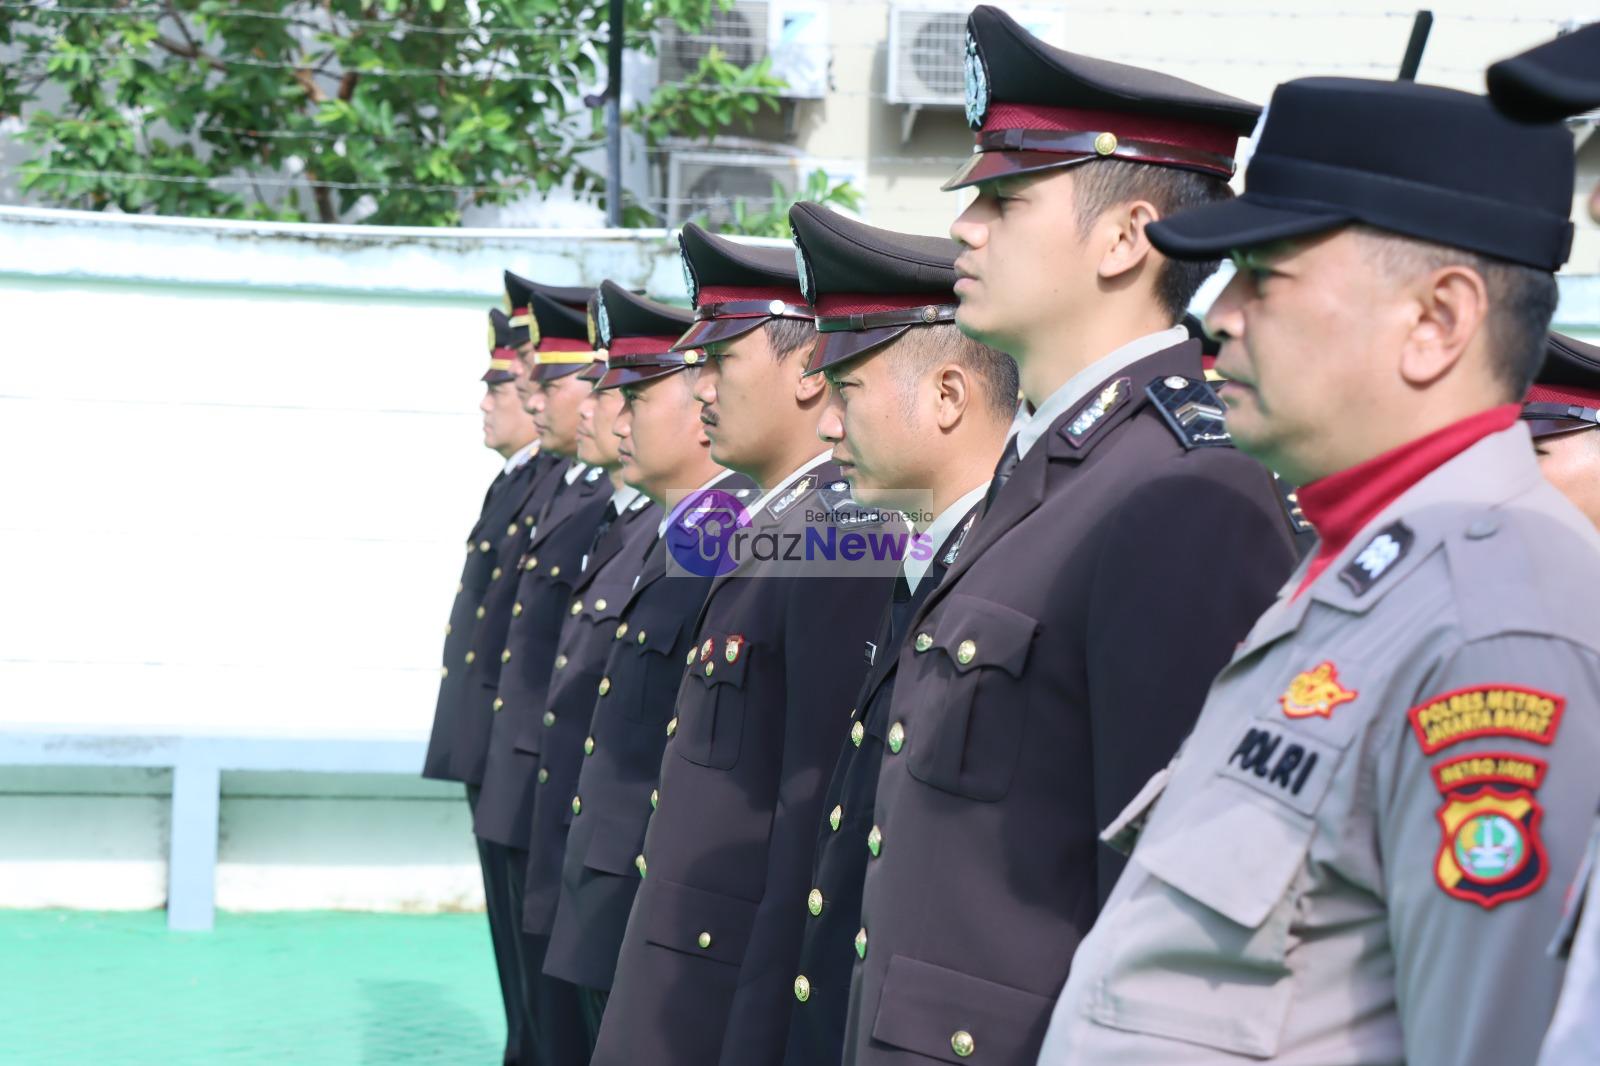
[264, 765]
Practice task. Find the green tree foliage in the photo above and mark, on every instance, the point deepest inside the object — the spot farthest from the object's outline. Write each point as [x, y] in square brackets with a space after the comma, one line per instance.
[771, 217]
[298, 109]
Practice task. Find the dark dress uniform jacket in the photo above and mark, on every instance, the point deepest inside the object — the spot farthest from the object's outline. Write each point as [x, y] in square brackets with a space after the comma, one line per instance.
[481, 660]
[548, 568]
[707, 963]
[500, 504]
[1058, 666]
[558, 734]
[616, 784]
[833, 907]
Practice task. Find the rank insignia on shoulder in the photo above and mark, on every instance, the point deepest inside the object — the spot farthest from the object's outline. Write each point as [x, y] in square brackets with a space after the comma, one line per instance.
[1377, 557]
[1191, 410]
[1290, 497]
[1087, 420]
[1315, 692]
[786, 501]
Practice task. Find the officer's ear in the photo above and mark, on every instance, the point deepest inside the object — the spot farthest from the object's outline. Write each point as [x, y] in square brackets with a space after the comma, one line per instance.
[1451, 309]
[1121, 227]
[810, 386]
[953, 392]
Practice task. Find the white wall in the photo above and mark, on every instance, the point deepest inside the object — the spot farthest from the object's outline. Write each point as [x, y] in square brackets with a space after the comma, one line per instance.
[240, 461]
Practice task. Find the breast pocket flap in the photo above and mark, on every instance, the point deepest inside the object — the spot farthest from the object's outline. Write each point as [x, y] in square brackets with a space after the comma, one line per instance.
[1235, 852]
[975, 633]
[696, 922]
[950, 1016]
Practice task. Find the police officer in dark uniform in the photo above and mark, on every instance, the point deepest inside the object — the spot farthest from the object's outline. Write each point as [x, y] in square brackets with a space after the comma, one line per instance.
[526, 471]
[707, 964]
[664, 452]
[1126, 549]
[561, 534]
[560, 736]
[509, 430]
[918, 415]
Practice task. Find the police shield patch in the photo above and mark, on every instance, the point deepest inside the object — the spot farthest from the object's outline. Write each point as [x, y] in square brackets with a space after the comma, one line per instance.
[1490, 852]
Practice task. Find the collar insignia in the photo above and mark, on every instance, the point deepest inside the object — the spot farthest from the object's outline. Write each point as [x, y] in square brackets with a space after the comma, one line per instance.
[1111, 397]
[955, 549]
[800, 488]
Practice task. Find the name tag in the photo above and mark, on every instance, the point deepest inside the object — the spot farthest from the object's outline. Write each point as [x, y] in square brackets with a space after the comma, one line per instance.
[1282, 763]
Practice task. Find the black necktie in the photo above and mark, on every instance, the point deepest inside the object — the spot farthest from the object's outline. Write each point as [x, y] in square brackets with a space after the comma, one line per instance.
[605, 524]
[1002, 472]
[901, 609]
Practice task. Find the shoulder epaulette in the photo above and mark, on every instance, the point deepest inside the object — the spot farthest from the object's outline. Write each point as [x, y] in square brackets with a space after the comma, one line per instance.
[846, 510]
[1191, 410]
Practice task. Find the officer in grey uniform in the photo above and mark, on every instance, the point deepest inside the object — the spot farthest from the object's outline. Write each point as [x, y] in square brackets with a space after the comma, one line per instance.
[1547, 83]
[1360, 852]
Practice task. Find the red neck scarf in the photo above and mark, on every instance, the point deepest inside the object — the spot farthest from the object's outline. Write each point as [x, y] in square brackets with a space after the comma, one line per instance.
[1340, 505]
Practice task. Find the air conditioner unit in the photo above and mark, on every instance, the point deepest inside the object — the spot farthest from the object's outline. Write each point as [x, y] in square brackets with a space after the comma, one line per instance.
[705, 184]
[792, 33]
[927, 49]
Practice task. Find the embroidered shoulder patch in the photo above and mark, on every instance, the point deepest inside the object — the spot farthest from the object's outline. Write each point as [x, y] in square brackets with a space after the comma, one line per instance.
[1486, 711]
[1191, 410]
[1315, 692]
[1089, 418]
[1491, 852]
[1385, 549]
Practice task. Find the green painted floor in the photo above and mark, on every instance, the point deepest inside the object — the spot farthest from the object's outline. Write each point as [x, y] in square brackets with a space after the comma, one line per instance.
[117, 989]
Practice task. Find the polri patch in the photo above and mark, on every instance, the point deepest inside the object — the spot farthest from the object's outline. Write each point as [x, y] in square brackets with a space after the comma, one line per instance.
[1491, 852]
[1489, 767]
[1486, 711]
[1282, 763]
[1377, 558]
[1092, 416]
[1315, 692]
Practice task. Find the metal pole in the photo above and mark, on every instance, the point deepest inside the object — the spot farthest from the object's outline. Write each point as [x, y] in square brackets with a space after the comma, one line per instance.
[614, 118]
[1419, 40]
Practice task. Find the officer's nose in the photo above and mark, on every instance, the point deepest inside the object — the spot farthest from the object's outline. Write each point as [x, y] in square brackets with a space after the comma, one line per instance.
[968, 229]
[1225, 320]
[830, 426]
[622, 427]
[705, 383]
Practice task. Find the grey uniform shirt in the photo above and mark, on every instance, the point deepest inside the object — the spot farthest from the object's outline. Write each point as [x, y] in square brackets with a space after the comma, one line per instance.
[1574, 1037]
[1361, 850]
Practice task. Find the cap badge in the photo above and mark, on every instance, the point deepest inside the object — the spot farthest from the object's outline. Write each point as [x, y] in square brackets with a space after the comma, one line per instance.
[494, 337]
[533, 328]
[977, 84]
[1106, 143]
[1315, 692]
[603, 321]
[593, 333]
[806, 288]
[689, 281]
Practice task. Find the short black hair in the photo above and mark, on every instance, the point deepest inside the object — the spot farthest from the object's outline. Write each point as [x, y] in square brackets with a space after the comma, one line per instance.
[789, 335]
[1522, 300]
[996, 371]
[1101, 184]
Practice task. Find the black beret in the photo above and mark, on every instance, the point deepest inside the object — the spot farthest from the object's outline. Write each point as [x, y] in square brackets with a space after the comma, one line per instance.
[1556, 80]
[1416, 160]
